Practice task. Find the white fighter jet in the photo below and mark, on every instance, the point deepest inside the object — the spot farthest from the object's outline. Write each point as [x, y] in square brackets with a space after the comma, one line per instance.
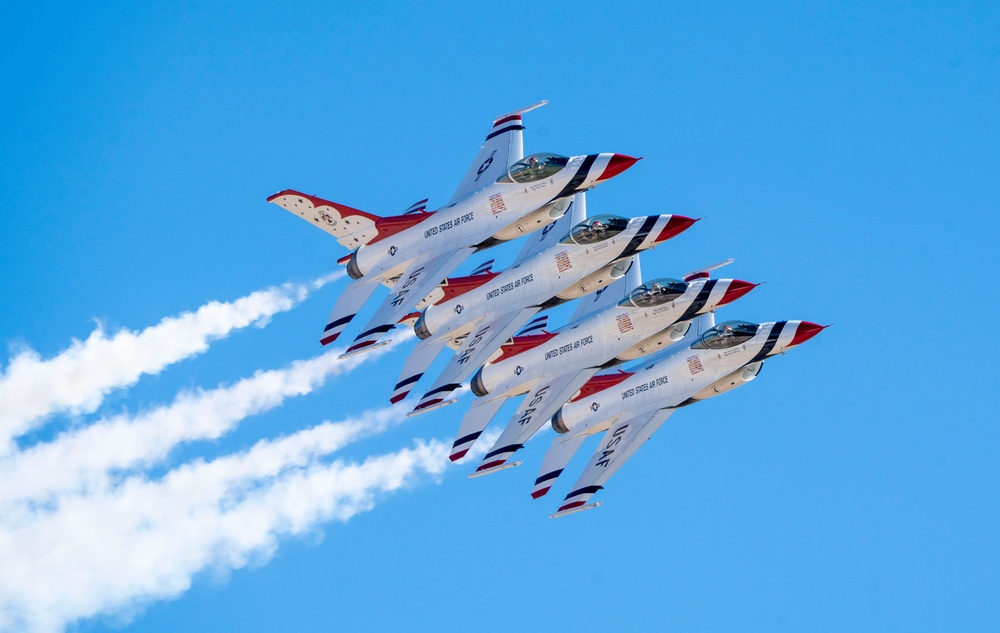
[556, 265]
[502, 197]
[624, 322]
[630, 406]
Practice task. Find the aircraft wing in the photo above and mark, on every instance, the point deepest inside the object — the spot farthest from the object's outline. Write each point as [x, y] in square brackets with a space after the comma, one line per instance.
[473, 424]
[348, 304]
[352, 227]
[551, 233]
[619, 443]
[537, 408]
[416, 282]
[416, 364]
[478, 346]
[559, 454]
[503, 147]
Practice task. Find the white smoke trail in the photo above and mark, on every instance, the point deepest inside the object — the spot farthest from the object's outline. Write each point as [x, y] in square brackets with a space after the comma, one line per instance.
[78, 378]
[114, 550]
[83, 459]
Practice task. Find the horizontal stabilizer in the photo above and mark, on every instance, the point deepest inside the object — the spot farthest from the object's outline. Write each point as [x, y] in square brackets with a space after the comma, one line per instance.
[417, 207]
[540, 323]
[559, 454]
[485, 338]
[422, 275]
[348, 304]
[473, 424]
[485, 267]
[416, 364]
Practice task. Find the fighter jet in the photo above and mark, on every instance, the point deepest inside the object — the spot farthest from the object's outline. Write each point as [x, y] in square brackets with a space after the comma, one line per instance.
[502, 197]
[631, 406]
[554, 267]
[624, 322]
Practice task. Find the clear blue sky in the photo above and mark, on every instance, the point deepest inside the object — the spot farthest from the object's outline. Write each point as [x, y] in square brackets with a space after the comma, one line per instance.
[848, 155]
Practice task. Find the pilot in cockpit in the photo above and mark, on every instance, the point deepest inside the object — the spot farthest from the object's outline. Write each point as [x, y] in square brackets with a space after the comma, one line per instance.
[595, 231]
[536, 166]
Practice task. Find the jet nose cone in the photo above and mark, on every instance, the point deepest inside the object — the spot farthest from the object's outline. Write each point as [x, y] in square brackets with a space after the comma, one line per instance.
[737, 288]
[675, 226]
[616, 165]
[806, 331]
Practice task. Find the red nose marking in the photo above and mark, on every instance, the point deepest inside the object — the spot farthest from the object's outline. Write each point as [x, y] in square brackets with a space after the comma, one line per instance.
[806, 331]
[737, 288]
[617, 164]
[675, 226]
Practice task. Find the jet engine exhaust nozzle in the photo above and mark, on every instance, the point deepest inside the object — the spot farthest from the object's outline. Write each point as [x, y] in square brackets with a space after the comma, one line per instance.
[353, 270]
[420, 328]
[476, 384]
[557, 423]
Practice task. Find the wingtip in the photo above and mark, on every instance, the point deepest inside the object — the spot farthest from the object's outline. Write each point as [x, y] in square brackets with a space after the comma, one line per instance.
[328, 339]
[283, 192]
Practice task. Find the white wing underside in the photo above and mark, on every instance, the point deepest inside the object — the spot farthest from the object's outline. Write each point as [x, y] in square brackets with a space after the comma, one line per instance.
[617, 446]
[475, 350]
[538, 406]
[415, 283]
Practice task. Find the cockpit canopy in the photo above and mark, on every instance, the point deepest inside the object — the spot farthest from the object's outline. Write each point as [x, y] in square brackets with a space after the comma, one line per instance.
[595, 229]
[727, 334]
[533, 168]
[654, 293]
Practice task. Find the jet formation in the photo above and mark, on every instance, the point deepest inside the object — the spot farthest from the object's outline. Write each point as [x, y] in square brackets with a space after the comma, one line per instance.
[487, 324]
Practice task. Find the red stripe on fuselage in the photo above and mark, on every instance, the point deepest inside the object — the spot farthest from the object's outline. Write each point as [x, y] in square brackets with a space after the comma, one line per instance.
[455, 286]
[600, 383]
[521, 344]
[393, 224]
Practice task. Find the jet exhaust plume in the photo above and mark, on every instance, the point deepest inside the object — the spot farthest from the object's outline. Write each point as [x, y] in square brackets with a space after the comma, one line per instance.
[77, 379]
